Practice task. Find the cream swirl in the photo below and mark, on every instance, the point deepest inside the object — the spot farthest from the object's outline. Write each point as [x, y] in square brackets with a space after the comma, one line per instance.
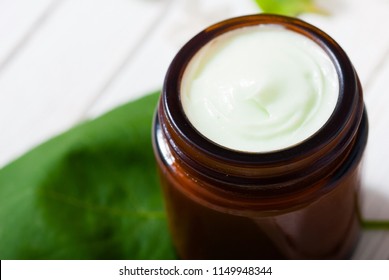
[259, 89]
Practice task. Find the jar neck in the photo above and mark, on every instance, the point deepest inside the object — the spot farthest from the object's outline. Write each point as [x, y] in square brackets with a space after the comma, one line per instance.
[226, 195]
[282, 172]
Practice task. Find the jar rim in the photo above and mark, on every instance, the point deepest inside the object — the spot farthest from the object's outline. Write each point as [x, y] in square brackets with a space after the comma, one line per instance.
[349, 93]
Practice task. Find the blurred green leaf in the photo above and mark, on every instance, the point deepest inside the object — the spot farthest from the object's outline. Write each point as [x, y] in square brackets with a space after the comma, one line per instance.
[90, 193]
[375, 224]
[288, 7]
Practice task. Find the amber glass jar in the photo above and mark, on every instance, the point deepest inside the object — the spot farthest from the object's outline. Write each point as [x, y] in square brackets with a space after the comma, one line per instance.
[296, 203]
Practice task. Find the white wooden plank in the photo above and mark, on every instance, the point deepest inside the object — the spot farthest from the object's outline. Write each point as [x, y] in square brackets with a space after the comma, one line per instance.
[51, 81]
[19, 19]
[376, 165]
[146, 72]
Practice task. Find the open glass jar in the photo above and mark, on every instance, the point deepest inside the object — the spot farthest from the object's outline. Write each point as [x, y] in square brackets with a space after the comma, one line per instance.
[294, 203]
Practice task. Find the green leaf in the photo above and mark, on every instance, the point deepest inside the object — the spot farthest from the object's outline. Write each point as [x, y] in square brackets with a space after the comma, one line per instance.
[288, 7]
[90, 193]
[375, 224]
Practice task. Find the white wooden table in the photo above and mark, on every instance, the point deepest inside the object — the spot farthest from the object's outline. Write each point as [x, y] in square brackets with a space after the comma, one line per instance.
[62, 61]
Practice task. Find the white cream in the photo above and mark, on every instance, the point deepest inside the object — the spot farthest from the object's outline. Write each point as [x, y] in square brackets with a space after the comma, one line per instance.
[259, 89]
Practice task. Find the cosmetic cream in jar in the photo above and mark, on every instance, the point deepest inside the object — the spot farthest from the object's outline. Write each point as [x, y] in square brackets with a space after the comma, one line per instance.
[259, 135]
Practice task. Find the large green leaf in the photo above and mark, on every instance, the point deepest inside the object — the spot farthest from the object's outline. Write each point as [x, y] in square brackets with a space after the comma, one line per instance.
[90, 193]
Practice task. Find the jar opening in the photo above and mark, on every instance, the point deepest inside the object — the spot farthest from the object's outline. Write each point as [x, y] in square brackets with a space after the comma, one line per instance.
[348, 97]
[259, 89]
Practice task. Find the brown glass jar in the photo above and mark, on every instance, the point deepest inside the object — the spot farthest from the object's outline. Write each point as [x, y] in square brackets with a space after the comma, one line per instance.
[296, 203]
